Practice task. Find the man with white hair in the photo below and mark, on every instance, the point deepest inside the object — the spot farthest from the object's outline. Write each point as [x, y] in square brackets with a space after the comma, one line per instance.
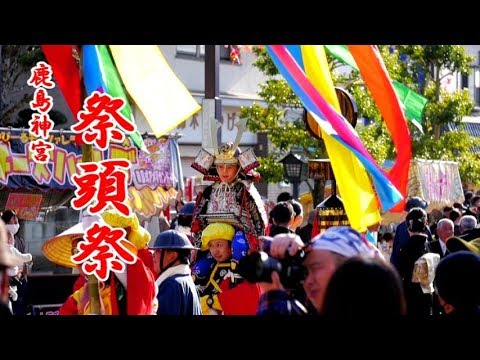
[445, 229]
[324, 254]
[468, 228]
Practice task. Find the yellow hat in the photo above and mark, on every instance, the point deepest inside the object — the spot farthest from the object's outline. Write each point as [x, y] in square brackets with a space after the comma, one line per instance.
[59, 248]
[137, 235]
[217, 231]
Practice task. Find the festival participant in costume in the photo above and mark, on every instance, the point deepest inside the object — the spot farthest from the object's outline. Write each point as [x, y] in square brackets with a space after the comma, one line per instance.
[225, 291]
[177, 294]
[232, 197]
[129, 293]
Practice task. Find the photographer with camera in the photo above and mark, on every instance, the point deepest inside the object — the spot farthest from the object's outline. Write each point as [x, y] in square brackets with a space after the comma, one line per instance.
[323, 255]
[280, 278]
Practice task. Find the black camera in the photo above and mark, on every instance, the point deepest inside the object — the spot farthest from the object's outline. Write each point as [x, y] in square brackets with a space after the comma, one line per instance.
[258, 267]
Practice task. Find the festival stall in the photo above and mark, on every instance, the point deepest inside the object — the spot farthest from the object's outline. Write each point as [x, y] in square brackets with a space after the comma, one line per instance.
[39, 193]
[436, 181]
[31, 188]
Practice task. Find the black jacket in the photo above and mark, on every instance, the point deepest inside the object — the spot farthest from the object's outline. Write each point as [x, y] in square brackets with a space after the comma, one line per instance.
[419, 305]
[435, 247]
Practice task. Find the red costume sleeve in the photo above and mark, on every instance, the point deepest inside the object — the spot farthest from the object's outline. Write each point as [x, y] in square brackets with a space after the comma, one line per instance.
[241, 300]
[140, 289]
[69, 307]
[146, 256]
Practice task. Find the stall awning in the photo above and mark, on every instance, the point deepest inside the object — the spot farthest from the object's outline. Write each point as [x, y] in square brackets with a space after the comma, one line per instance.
[155, 177]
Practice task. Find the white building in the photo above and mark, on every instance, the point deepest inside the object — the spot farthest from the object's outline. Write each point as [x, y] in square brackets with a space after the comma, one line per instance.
[472, 81]
[238, 87]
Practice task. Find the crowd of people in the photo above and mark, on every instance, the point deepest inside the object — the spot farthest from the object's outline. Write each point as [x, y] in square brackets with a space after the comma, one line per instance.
[223, 254]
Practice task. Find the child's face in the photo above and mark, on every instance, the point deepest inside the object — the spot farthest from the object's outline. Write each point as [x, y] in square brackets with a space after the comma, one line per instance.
[227, 173]
[220, 250]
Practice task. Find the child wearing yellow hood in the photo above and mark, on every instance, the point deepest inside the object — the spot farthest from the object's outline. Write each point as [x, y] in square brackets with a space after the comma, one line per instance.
[225, 292]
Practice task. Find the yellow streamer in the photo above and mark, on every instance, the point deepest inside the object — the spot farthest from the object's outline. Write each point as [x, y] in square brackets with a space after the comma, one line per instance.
[354, 185]
[163, 99]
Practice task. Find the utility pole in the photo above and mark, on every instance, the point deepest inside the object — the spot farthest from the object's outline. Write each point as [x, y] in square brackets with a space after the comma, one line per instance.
[212, 105]
[93, 284]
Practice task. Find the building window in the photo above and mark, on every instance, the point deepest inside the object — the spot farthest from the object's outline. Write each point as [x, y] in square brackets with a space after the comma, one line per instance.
[464, 82]
[476, 83]
[198, 51]
[225, 52]
[191, 50]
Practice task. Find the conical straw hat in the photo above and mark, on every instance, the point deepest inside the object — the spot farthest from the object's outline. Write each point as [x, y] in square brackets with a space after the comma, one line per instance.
[58, 249]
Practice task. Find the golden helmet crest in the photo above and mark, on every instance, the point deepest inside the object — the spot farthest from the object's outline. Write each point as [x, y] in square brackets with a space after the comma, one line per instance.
[227, 154]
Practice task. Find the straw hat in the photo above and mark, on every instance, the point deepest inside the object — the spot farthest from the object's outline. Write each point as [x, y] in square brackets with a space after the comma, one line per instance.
[59, 248]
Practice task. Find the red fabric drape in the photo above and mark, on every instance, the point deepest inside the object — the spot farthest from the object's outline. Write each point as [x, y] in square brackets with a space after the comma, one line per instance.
[67, 75]
[66, 72]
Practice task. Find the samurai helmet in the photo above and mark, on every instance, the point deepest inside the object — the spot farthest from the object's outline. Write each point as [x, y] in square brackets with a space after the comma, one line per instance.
[228, 153]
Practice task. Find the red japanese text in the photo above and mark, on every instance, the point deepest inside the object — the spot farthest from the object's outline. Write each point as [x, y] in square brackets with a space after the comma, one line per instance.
[41, 101]
[101, 184]
[40, 151]
[40, 125]
[98, 121]
[41, 75]
[103, 251]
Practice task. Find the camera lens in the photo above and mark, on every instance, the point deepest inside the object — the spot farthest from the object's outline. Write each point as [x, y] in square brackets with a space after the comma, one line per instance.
[258, 267]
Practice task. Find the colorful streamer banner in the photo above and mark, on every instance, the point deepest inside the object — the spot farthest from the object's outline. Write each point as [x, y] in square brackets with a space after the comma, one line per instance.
[100, 74]
[413, 102]
[163, 99]
[332, 123]
[357, 192]
[375, 75]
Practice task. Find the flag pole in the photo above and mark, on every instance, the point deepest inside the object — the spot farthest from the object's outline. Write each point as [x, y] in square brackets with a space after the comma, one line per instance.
[87, 156]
